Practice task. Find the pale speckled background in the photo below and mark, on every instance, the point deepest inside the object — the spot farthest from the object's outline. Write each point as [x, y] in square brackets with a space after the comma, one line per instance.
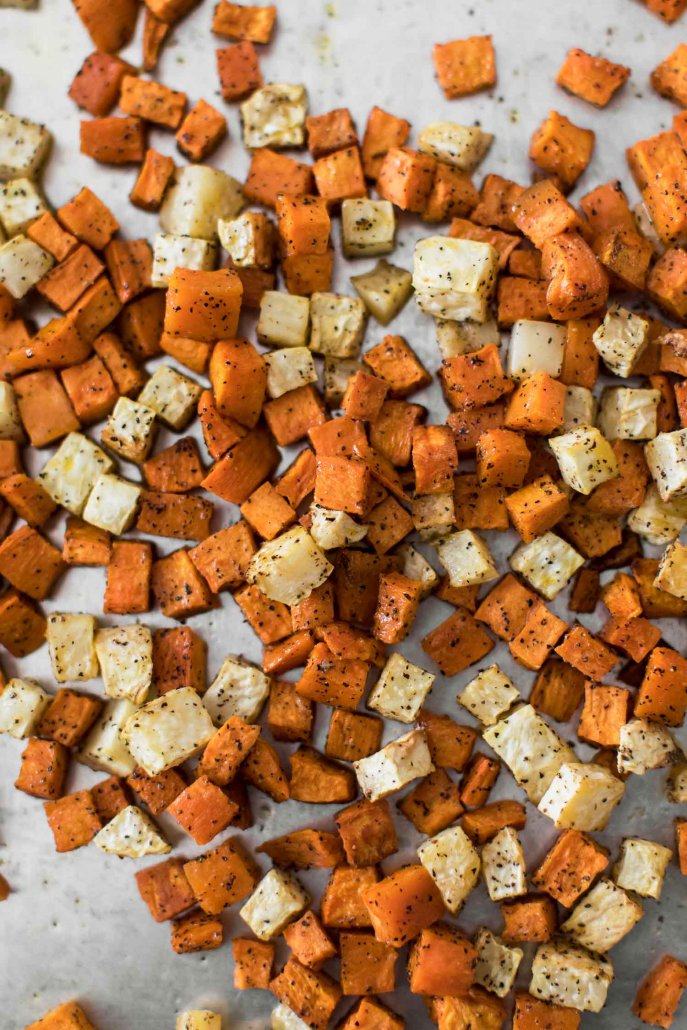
[74, 925]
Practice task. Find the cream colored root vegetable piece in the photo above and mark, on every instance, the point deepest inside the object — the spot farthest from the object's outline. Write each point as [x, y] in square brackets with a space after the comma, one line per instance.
[401, 689]
[497, 963]
[125, 654]
[104, 748]
[642, 866]
[462, 146]
[503, 866]
[337, 325]
[198, 197]
[434, 516]
[199, 1019]
[367, 227]
[645, 746]
[579, 409]
[71, 643]
[629, 413]
[398, 763]
[568, 975]
[11, 427]
[602, 917]
[489, 695]
[666, 456]
[24, 146]
[331, 529]
[239, 688]
[548, 563]
[585, 458]
[582, 797]
[384, 290]
[454, 278]
[416, 567]
[130, 430]
[274, 116]
[467, 559]
[22, 703]
[672, 571]
[656, 521]
[453, 863]
[676, 784]
[533, 751]
[22, 264]
[172, 396]
[131, 834]
[456, 338]
[20, 205]
[288, 369]
[167, 731]
[290, 567]
[248, 240]
[277, 901]
[284, 319]
[621, 339]
[112, 504]
[535, 347]
[70, 474]
[284, 1018]
[171, 251]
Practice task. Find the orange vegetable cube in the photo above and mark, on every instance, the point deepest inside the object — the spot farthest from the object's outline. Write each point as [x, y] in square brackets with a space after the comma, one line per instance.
[531, 918]
[43, 768]
[201, 131]
[222, 876]
[383, 132]
[253, 961]
[594, 79]
[244, 21]
[340, 175]
[165, 889]
[309, 942]
[562, 149]
[465, 66]
[203, 305]
[73, 820]
[659, 994]
[152, 182]
[238, 70]
[402, 905]
[405, 177]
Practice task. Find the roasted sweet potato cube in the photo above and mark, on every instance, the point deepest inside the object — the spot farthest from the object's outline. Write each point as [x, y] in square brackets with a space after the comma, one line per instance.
[244, 21]
[480, 776]
[606, 710]
[433, 804]
[85, 544]
[267, 512]
[594, 79]
[292, 416]
[441, 960]
[542, 629]
[342, 905]
[180, 516]
[457, 643]
[262, 769]
[201, 131]
[586, 654]
[537, 507]
[222, 876]
[304, 849]
[316, 779]
[152, 182]
[270, 620]
[165, 889]
[30, 563]
[109, 797]
[405, 177]
[196, 932]
[383, 132]
[43, 768]
[659, 994]
[178, 587]
[310, 994]
[225, 752]
[450, 744]
[542, 211]
[531, 1013]
[506, 607]
[69, 717]
[367, 965]
[157, 792]
[403, 904]
[128, 578]
[253, 961]
[570, 867]
[238, 70]
[339, 175]
[531, 918]
[288, 654]
[309, 942]
[367, 832]
[223, 558]
[69, 1016]
[465, 66]
[332, 681]
[484, 823]
[28, 498]
[95, 87]
[271, 174]
[371, 1014]
[662, 695]
[562, 149]
[290, 717]
[585, 591]
[73, 820]
[203, 305]
[396, 364]
[44, 407]
[243, 468]
[203, 810]
[558, 690]
[352, 735]
[88, 219]
[22, 625]
[179, 658]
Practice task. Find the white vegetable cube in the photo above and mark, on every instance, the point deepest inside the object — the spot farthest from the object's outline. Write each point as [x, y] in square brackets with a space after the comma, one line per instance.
[239, 688]
[71, 473]
[642, 866]
[568, 975]
[71, 642]
[434, 515]
[629, 414]
[676, 784]
[533, 752]
[497, 963]
[171, 251]
[20, 205]
[289, 368]
[274, 116]
[24, 145]
[453, 863]
[401, 689]
[367, 227]
[22, 264]
[666, 456]
[171, 396]
[284, 319]
[656, 520]
[454, 278]
[383, 290]
[548, 563]
[603, 917]
[278, 899]
[585, 458]
[535, 347]
[22, 703]
[290, 567]
[489, 695]
[11, 427]
[621, 339]
[503, 866]
[167, 731]
[582, 797]
[331, 529]
[467, 559]
[125, 654]
[416, 567]
[131, 834]
[199, 1019]
[645, 746]
[398, 763]
[456, 338]
[337, 372]
[197, 198]
[112, 504]
[130, 430]
[337, 324]
[104, 747]
[579, 408]
[462, 146]
[284, 1018]
[672, 571]
[248, 239]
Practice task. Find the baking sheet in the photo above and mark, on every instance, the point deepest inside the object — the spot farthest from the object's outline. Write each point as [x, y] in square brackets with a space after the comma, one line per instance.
[74, 925]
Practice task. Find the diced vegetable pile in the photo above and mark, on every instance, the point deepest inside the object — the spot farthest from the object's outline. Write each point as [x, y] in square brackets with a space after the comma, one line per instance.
[566, 393]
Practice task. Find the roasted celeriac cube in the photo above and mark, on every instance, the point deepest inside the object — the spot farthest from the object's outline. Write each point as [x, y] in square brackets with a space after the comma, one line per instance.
[548, 563]
[503, 866]
[497, 963]
[22, 703]
[489, 695]
[645, 746]
[535, 347]
[367, 227]
[171, 251]
[70, 474]
[284, 1018]
[24, 146]
[602, 917]
[383, 290]
[171, 396]
[401, 689]
[22, 264]
[569, 975]
[621, 339]
[274, 116]
[131, 834]
[456, 338]
[453, 863]
[642, 866]
[125, 654]
[331, 529]
[104, 748]
[398, 763]
[289, 368]
[466, 558]
[198, 197]
[284, 319]
[579, 408]
[659, 522]
[239, 688]
[533, 752]
[71, 642]
[277, 900]
[337, 372]
[582, 797]
[112, 504]
[290, 567]
[627, 413]
[585, 458]
[248, 239]
[199, 1019]
[416, 567]
[20, 205]
[11, 427]
[337, 324]
[167, 731]
[434, 516]
[130, 430]
[454, 278]
[676, 784]
[462, 146]
[672, 570]
[666, 456]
